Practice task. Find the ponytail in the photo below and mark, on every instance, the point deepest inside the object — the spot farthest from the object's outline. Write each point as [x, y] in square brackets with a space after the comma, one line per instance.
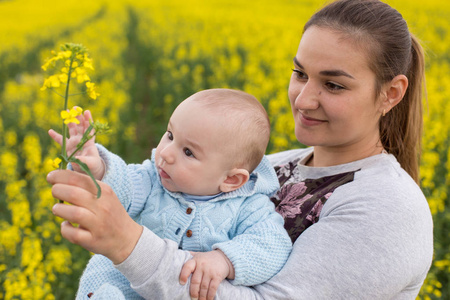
[401, 128]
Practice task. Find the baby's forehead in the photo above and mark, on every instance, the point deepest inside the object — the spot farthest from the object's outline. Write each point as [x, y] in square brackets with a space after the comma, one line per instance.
[226, 117]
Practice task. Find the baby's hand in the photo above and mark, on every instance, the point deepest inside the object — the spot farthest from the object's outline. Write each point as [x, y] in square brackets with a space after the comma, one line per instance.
[209, 269]
[89, 153]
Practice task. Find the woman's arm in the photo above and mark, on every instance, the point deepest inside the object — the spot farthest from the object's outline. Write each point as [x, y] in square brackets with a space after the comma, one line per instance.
[106, 228]
[154, 267]
[347, 255]
[361, 248]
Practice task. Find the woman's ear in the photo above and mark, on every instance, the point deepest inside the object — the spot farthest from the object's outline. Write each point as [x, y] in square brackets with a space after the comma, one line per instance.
[235, 179]
[393, 93]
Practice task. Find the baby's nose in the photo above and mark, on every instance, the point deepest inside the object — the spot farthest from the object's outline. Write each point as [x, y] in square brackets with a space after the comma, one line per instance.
[168, 155]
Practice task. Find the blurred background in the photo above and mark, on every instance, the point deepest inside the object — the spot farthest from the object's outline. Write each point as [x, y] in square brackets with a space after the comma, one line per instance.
[148, 56]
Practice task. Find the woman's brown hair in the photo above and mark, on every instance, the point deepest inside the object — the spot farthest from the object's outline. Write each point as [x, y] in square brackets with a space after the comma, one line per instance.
[392, 50]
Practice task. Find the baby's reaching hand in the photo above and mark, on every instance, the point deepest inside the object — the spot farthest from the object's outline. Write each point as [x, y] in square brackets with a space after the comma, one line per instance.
[208, 270]
[89, 153]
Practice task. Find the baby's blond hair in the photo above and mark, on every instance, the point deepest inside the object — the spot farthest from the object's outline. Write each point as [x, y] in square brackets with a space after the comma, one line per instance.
[248, 126]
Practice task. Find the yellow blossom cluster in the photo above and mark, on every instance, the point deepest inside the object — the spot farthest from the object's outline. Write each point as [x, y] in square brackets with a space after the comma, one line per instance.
[149, 56]
[76, 62]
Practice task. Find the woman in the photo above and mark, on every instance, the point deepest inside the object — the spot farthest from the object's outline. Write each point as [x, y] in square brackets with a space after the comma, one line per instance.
[360, 224]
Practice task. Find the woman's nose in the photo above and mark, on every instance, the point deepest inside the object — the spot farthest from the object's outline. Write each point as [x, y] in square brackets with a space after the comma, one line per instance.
[307, 97]
[167, 154]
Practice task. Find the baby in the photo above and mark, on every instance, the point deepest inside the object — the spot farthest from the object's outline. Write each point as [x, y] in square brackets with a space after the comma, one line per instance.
[206, 187]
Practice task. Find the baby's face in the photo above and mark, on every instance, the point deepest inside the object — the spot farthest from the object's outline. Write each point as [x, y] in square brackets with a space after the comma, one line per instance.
[191, 156]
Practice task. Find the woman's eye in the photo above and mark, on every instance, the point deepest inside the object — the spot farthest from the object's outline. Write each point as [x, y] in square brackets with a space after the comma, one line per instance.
[333, 86]
[188, 152]
[170, 135]
[300, 74]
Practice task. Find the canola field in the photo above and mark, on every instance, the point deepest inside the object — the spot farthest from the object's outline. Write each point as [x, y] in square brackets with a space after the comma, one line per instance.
[148, 56]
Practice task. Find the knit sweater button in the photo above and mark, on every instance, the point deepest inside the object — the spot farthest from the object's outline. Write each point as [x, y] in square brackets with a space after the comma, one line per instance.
[188, 210]
[189, 233]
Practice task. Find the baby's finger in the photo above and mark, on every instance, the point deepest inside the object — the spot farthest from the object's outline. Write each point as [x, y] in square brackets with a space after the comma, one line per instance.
[213, 286]
[196, 280]
[73, 128]
[87, 119]
[204, 287]
[55, 136]
[84, 122]
[87, 116]
[186, 271]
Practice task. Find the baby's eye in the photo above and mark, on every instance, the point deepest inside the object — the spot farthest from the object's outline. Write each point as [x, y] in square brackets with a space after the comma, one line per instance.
[334, 87]
[170, 135]
[300, 74]
[188, 152]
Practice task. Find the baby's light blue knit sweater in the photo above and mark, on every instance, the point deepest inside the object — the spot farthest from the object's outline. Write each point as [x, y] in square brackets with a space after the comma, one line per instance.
[243, 223]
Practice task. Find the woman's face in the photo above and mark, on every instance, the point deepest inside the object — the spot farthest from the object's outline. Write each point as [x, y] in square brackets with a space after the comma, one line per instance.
[332, 93]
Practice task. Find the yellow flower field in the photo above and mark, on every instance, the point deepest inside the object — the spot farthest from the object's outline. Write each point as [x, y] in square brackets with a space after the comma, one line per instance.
[148, 56]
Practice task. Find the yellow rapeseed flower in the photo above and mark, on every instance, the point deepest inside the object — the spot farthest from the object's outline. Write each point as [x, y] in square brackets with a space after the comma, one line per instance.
[71, 115]
[9, 238]
[91, 90]
[56, 162]
[52, 81]
[81, 75]
[14, 189]
[64, 54]
[87, 63]
[10, 138]
[31, 149]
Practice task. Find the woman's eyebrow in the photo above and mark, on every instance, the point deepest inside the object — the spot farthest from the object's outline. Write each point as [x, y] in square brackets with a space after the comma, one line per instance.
[336, 73]
[327, 72]
[297, 63]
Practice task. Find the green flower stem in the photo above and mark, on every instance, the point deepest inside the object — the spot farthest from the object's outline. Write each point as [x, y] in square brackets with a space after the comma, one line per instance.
[63, 164]
[66, 101]
[86, 137]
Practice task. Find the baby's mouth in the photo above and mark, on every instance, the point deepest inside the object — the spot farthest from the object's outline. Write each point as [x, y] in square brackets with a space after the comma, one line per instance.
[163, 174]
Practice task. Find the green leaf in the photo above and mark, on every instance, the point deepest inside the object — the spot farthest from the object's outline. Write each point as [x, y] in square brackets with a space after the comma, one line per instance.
[85, 168]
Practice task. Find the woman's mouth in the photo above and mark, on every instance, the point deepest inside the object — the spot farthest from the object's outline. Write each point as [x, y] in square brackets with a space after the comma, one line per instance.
[308, 121]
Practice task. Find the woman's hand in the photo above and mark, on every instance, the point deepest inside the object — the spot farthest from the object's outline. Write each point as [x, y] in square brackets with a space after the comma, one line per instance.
[104, 225]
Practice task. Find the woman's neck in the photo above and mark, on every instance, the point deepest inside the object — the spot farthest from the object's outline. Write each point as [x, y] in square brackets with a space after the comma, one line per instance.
[328, 156]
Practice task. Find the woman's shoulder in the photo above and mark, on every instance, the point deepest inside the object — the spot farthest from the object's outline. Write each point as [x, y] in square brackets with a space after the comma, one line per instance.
[383, 174]
[381, 184]
[385, 171]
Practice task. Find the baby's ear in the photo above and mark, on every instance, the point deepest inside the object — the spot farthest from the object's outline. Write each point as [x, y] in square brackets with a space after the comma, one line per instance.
[235, 179]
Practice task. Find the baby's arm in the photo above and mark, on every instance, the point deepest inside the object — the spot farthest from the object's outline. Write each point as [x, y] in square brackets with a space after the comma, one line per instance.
[257, 252]
[132, 183]
[260, 246]
[89, 153]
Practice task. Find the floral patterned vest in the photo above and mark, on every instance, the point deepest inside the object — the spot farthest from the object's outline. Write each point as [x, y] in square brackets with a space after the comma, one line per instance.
[300, 201]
